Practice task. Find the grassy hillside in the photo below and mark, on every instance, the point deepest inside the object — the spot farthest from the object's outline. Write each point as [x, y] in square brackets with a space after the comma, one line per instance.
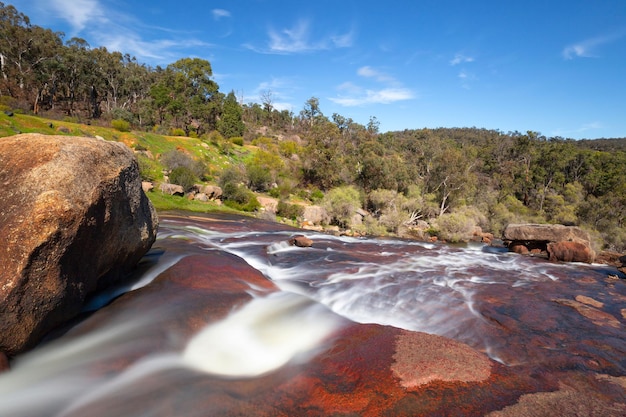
[148, 146]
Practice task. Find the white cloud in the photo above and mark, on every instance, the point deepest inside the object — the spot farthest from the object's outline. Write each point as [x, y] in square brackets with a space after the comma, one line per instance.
[295, 39]
[578, 130]
[585, 48]
[354, 95]
[382, 96]
[460, 59]
[343, 41]
[219, 13]
[298, 39]
[79, 13]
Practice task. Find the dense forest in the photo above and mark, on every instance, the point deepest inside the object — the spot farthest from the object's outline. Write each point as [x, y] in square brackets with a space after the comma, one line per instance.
[451, 179]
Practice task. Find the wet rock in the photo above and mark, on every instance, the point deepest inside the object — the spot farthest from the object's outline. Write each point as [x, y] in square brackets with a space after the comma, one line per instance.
[597, 316]
[574, 398]
[570, 252]
[74, 219]
[589, 301]
[4, 362]
[301, 241]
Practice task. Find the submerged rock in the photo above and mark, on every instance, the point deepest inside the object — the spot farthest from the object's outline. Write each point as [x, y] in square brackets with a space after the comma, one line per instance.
[74, 219]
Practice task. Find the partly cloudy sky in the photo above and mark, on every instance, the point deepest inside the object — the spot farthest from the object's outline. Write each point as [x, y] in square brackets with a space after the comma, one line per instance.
[557, 67]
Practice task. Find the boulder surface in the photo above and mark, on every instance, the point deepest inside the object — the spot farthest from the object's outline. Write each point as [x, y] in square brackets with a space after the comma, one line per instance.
[74, 219]
[558, 242]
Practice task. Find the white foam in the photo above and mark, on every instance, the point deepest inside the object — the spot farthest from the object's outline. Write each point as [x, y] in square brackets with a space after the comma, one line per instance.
[264, 335]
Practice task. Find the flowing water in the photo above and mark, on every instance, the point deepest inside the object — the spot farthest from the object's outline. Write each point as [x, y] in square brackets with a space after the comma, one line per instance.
[169, 340]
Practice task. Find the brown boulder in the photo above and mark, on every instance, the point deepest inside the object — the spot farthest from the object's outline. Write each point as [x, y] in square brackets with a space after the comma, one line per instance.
[545, 233]
[74, 220]
[301, 241]
[213, 192]
[570, 252]
[558, 242]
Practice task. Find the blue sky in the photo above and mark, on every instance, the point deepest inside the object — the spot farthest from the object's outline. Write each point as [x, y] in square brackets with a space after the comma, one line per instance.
[553, 66]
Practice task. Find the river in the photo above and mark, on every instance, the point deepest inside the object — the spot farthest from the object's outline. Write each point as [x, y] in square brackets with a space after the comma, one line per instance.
[223, 310]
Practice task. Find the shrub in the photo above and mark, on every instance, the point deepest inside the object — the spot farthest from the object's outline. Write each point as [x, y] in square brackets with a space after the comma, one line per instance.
[259, 178]
[177, 132]
[239, 197]
[455, 227]
[184, 177]
[288, 148]
[122, 114]
[120, 125]
[149, 169]
[175, 159]
[341, 204]
[215, 138]
[232, 175]
[237, 140]
[289, 211]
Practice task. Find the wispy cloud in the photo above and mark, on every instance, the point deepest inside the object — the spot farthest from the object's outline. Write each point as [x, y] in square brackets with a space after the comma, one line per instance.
[577, 131]
[466, 78]
[78, 13]
[220, 13]
[353, 95]
[383, 96]
[104, 26]
[298, 39]
[461, 59]
[370, 72]
[587, 48]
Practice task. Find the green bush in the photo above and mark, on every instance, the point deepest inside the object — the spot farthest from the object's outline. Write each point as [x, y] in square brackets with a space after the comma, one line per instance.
[177, 132]
[259, 178]
[237, 140]
[341, 203]
[120, 125]
[455, 227]
[149, 169]
[174, 159]
[289, 211]
[122, 114]
[215, 138]
[184, 177]
[239, 197]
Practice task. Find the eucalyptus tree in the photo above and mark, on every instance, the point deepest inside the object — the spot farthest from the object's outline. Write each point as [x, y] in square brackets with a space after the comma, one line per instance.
[26, 52]
[196, 98]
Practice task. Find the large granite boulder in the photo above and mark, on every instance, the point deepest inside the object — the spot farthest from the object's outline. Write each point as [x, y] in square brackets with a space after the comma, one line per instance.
[555, 241]
[545, 233]
[73, 219]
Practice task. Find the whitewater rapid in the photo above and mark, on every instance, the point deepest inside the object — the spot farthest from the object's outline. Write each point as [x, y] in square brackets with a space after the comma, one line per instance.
[416, 286]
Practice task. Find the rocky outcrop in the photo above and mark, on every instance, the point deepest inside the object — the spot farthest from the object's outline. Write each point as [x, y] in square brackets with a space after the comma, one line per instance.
[555, 241]
[545, 233]
[172, 189]
[316, 215]
[74, 219]
[268, 204]
[570, 252]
